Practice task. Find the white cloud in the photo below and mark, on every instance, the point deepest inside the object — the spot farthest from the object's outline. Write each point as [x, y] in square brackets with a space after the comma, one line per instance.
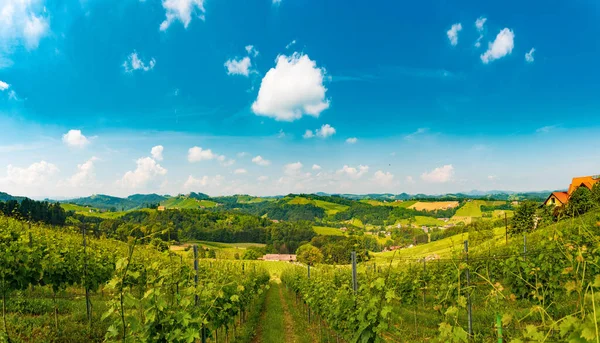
[181, 10]
[261, 161]
[383, 178]
[529, 56]
[453, 33]
[147, 170]
[410, 180]
[290, 44]
[545, 129]
[23, 21]
[316, 167]
[281, 134]
[479, 24]
[74, 138]
[85, 175]
[133, 62]
[276, 2]
[35, 28]
[293, 88]
[192, 183]
[492, 177]
[353, 172]
[439, 175]
[251, 50]
[502, 46]
[197, 154]
[325, 131]
[227, 163]
[12, 95]
[308, 134]
[292, 169]
[3, 86]
[240, 171]
[157, 152]
[420, 131]
[37, 174]
[238, 67]
[352, 140]
[262, 178]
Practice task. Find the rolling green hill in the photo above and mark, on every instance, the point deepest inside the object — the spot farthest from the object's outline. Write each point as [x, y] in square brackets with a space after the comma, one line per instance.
[187, 203]
[329, 207]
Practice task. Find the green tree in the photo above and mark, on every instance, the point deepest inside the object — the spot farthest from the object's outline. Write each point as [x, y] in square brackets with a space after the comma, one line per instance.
[251, 254]
[580, 202]
[596, 193]
[309, 254]
[524, 219]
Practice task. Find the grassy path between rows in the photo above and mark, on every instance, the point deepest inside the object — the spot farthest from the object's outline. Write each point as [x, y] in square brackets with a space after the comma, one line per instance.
[280, 321]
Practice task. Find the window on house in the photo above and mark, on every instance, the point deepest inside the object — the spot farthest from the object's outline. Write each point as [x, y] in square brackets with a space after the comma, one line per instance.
[552, 200]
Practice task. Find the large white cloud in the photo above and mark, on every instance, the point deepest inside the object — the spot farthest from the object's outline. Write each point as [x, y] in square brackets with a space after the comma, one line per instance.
[204, 182]
[500, 47]
[181, 10]
[75, 139]
[133, 62]
[383, 178]
[37, 174]
[325, 131]
[147, 170]
[157, 152]
[85, 175]
[453, 33]
[197, 154]
[352, 172]
[439, 175]
[23, 21]
[259, 160]
[293, 88]
[238, 66]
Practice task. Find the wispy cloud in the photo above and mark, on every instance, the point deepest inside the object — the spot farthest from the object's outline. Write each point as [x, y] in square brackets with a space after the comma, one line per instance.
[390, 72]
[546, 129]
[420, 131]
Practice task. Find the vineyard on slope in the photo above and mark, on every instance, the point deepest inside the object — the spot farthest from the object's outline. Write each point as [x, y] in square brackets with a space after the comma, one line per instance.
[135, 292]
[546, 292]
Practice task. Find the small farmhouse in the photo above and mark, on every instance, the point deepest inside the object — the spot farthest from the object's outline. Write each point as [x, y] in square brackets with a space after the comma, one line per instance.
[562, 198]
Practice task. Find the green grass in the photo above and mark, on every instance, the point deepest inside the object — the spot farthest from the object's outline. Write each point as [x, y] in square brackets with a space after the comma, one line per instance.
[187, 203]
[329, 207]
[403, 204]
[356, 222]
[471, 209]
[272, 328]
[95, 212]
[423, 220]
[327, 231]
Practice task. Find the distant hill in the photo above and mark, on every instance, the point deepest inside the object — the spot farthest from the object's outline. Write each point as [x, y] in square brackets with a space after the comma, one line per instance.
[7, 197]
[106, 202]
[147, 198]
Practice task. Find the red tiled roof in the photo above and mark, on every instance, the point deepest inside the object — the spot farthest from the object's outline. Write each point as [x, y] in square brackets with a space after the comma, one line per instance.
[563, 197]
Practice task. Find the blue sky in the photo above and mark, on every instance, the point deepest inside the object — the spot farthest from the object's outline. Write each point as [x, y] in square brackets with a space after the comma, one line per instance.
[334, 96]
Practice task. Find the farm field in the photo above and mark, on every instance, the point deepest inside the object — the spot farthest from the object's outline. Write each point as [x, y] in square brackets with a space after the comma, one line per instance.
[434, 205]
[328, 231]
[329, 207]
[95, 212]
[419, 221]
[187, 203]
[403, 204]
